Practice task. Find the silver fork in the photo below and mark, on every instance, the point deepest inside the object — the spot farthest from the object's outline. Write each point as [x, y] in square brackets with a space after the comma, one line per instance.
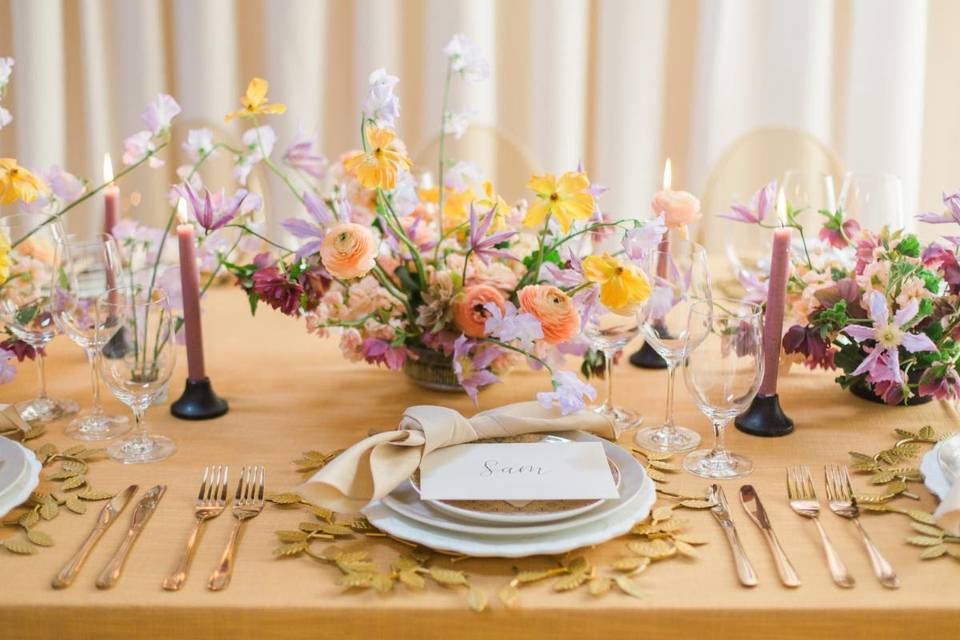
[211, 501]
[247, 504]
[843, 503]
[803, 500]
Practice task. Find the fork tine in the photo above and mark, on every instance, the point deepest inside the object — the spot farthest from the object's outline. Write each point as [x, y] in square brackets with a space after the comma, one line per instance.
[203, 484]
[260, 493]
[829, 482]
[239, 495]
[222, 498]
[249, 486]
[810, 492]
[214, 483]
[791, 485]
[846, 484]
[220, 482]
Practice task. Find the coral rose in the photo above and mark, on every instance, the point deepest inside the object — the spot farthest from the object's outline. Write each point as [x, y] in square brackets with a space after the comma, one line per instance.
[554, 309]
[469, 313]
[349, 250]
[679, 208]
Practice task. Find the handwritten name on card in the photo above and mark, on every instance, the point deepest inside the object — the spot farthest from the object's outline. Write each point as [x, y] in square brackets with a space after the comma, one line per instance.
[518, 471]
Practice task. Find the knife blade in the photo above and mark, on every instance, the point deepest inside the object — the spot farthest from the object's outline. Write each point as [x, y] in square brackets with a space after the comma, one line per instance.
[108, 515]
[141, 515]
[745, 572]
[754, 508]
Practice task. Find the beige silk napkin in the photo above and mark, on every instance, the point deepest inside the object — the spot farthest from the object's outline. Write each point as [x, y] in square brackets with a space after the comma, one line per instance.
[375, 466]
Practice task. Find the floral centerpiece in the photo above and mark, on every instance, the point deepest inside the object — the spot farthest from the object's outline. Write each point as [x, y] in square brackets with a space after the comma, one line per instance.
[876, 305]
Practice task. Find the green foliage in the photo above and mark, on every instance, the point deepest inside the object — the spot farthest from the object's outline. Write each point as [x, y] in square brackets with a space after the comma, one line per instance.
[909, 246]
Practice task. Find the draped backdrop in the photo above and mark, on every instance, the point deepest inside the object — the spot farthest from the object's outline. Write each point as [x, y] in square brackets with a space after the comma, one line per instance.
[617, 84]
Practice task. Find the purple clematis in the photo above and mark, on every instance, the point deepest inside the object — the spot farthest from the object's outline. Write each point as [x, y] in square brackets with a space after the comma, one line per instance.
[951, 213]
[301, 156]
[761, 204]
[214, 212]
[482, 245]
[471, 370]
[882, 364]
[305, 229]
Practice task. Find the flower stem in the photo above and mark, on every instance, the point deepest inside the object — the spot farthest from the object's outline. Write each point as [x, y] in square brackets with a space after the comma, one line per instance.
[247, 229]
[394, 221]
[440, 156]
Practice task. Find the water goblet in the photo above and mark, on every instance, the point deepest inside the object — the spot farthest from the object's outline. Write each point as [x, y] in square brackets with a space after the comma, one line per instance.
[140, 377]
[873, 199]
[26, 298]
[679, 276]
[88, 266]
[609, 332]
[723, 368]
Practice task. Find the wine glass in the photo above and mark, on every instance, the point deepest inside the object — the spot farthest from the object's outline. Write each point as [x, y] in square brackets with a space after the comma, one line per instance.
[26, 300]
[723, 369]
[609, 332]
[680, 277]
[807, 192]
[88, 266]
[873, 199]
[141, 375]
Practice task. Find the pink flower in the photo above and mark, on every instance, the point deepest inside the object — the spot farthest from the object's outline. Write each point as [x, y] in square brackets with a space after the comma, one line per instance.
[472, 369]
[212, 211]
[160, 113]
[950, 214]
[277, 290]
[940, 381]
[301, 155]
[349, 250]
[377, 351]
[138, 146]
[883, 361]
[568, 393]
[760, 206]
[840, 237]
[678, 208]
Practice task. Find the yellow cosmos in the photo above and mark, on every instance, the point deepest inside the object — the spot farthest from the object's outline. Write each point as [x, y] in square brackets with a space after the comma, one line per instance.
[5, 260]
[622, 285]
[492, 200]
[16, 183]
[377, 168]
[255, 101]
[566, 199]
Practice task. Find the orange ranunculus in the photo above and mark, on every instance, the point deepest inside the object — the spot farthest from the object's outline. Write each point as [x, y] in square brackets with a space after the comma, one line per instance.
[554, 309]
[349, 250]
[469, 313]
[679, 208]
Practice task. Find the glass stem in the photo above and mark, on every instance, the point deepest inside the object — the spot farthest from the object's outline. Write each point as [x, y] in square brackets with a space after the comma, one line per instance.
[92, 356]
[41, 374]
[671, 379]
[608, 355]
[718, 446]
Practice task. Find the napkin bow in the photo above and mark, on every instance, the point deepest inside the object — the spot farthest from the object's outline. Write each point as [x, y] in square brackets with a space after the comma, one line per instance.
[377, 465]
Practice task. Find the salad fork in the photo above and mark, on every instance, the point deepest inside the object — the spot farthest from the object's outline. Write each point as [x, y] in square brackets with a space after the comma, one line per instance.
[803, 500]
[247, 504]
[211, 501]
[843, 503]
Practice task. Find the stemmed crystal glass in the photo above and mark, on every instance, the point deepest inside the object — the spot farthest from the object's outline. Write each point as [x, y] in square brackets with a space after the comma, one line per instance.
[723, 369]
[26, 296]
[140, 376]
[873, 199]
[88, 266]
[809, 191]
[609, 332]
[680, 277]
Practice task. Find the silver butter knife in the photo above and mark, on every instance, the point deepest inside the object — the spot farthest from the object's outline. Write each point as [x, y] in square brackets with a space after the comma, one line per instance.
[754, 508]
[109, 514]
[141, 515]
[748, 577]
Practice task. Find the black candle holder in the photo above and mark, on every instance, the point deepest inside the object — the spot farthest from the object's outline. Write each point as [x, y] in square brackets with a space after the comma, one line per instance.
[646, 357]
[117, 346]
[765, 418]
[199, 402]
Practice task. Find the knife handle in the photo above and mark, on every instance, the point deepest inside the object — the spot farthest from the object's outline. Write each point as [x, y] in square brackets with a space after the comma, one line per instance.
[748, 577]
[70, 570]
[111, 573]
[788, 575]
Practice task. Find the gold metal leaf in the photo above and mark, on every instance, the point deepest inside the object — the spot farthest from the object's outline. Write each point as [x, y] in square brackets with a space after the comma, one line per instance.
[476, 599]
[39, 538]
[570, 581]
[284, 498]
[292, 549]
[865, 467]
[29, 519]
[75, 504]
[927, 433]
[685, 549]
[509, 595]
[412, 579]
[918, 515]
[74, 482]
[689, 538]
[663, 513]
[629, 587]
[924, 541]
[35, 431]
[74, 466]
[696, 504]
[62, 475]
[20, 547]
[447, 577]
[861, 457]
[882, 477]
[578, 564]
[657, 476]
[291, 536]
[335, 529]
[356, 580]
[654, 549]
[324, 514]
[534, 576]
[93, 495]
[49, 509]
[381, 583]
[933, 552]
[405, 563]
[928, 530]
[664, 466]
[45, 450]
[631, 563]
[73, 451]
[599, 586]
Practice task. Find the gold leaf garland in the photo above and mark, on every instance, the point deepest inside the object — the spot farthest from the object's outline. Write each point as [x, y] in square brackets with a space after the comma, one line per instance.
[43, 505]
[661, 537]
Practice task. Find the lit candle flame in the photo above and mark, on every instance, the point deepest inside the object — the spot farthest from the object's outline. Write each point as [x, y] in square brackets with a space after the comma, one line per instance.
[182, 211]
[107, 168]
[782, 208]
[667, 175]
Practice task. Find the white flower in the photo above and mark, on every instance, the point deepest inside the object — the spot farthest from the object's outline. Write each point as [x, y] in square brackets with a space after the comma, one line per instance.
[160, 113]
[199, 143]
[405, 198]
[6, 68]
[5, 117]
[381, 104]
[456, 123]
[138, 146]
[523, 327]
[259, 143]
[461, 175]
[466, 58]
[568, 393]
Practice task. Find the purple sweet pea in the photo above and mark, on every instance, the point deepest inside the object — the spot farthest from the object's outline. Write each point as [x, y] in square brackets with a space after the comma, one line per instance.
[639, 242]
[483, 246]
[761, 204]
[160, 113]
[306, 229]
[512, 325]
[471, 370]
[301, 156]
[568, 393]
[950, 214]
[883, 361]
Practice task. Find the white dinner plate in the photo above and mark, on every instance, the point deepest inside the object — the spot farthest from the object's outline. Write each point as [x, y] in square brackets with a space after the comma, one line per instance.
[948, 457]
[933, 476]
[13, 464]
[591, 533]
[406, 501]
[17, 494]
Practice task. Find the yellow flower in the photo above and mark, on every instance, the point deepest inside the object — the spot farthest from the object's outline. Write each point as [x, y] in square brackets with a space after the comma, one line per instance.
[566, 199]
[16, 183]
[622, 285]
[255, 101]
[5, 260]
[456, 207]
[489, 201]
[377, 168]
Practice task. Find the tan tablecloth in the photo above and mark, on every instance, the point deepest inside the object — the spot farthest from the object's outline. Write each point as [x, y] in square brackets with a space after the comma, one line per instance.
[290, 392]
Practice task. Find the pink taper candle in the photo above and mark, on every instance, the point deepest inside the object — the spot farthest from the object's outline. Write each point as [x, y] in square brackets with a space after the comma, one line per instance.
[111, 197]
[190, 286]
[773, 317]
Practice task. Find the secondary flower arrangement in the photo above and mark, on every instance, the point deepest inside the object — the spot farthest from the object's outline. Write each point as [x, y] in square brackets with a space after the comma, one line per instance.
[876, 305]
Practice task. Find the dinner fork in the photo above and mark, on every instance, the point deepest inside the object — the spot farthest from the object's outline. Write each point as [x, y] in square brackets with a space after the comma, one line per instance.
[211, 501]
[803, 500]
[843, 503]
[247, 504]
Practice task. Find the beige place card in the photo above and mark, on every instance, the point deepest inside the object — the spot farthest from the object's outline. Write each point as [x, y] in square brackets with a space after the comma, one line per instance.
[518, 471]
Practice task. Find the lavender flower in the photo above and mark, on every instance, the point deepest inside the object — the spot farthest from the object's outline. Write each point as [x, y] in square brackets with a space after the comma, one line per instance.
[381, 104]
[461, 175]
[510, 326]
[377, 351]
[950, 214]
[639, 242]
[761, 205]
[482, 245]
[301, 156]
[138, 146]
[456, 123]
[305, 229]
[466, 58]
[199, 144]
[214, 212]
[568, 393]
[160, 113]
[258, 143]
[471, 370]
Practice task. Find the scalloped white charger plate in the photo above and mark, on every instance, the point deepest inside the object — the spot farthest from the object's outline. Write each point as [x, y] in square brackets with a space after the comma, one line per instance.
[20, 489]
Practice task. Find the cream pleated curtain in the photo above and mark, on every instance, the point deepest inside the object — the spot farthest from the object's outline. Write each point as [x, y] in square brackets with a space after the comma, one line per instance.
[617, 84]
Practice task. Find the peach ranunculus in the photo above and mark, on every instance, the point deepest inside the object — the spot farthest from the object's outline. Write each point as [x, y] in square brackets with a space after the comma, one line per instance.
[469, 313]
[679, 208]
[349, 250]
[554, 309]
